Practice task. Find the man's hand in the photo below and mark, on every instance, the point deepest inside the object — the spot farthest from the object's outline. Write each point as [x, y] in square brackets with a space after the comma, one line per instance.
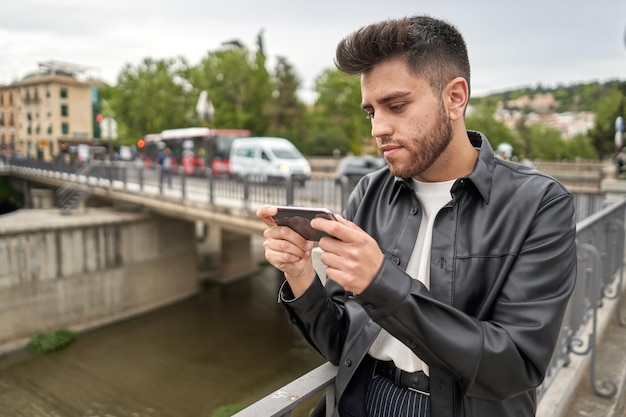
[353, 257]
[287, 251]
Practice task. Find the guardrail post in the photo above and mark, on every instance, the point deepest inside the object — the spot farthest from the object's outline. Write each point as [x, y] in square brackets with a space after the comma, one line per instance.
[210, 183]
[246, 192]
[290, 183]
[344, 183]
[140, 174]
[124, 179]
[110, 169]
[183, 189]
[161, 175]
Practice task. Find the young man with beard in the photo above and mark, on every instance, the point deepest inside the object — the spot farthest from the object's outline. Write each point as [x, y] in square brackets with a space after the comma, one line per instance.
[450, 270]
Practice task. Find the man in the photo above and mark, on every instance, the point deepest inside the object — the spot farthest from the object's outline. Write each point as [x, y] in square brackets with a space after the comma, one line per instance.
[165, 165]
[450, 272]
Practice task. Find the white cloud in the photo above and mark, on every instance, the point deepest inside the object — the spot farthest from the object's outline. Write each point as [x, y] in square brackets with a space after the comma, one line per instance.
[510, 43]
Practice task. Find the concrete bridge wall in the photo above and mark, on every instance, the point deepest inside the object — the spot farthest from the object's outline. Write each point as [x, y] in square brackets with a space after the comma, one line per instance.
[89, 269]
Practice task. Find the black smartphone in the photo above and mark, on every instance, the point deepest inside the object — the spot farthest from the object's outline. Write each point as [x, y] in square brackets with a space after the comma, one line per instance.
[299, 219]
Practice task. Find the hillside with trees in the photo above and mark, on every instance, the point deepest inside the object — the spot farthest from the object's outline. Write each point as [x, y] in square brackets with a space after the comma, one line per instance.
[604, 101]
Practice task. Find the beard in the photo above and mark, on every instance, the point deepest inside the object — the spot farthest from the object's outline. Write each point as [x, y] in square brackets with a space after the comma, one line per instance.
[424, 149]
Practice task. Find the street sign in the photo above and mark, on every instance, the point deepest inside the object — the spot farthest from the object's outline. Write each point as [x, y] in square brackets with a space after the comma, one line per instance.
[108, 128]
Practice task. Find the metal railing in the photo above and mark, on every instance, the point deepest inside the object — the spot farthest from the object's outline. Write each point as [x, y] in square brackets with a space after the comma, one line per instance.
[246, 194]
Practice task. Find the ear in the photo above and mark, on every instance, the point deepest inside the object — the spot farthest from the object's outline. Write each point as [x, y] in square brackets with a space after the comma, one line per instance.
[456, 96]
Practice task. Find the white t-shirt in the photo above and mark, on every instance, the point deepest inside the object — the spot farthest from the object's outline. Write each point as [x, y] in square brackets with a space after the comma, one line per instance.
[433, 196]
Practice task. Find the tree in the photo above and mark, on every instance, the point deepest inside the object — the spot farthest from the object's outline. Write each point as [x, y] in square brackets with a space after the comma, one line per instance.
[581, 147]
[337, 113]
[150, 97]
[238, 84]
[608, 109]
[481, 118]
[547, 143]
[286, 112]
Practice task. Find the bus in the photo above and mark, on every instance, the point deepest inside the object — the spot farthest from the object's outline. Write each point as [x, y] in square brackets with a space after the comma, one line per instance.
[194, 148]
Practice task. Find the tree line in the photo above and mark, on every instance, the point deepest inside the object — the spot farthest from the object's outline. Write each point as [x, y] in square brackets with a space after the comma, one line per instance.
[159, 94]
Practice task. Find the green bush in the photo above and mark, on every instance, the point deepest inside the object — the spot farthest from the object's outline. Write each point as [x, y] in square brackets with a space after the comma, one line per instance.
[227, 410]
[50, 342]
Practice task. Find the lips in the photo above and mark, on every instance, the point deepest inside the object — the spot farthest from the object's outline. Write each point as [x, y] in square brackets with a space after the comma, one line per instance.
[388, 150]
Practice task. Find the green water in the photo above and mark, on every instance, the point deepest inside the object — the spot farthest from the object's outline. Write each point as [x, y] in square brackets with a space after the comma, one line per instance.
[227, 345]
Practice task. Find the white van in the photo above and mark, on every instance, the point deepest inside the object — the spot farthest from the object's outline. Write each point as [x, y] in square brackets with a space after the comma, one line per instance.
[268, 159]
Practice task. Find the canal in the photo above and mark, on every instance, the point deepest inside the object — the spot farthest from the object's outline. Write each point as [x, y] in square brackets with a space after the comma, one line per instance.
[228, 345]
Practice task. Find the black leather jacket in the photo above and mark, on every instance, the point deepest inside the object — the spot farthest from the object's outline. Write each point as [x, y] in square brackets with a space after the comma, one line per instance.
[503, 267]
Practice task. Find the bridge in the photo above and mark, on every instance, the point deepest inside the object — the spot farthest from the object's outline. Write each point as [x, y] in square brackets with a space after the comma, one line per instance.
[230, 205]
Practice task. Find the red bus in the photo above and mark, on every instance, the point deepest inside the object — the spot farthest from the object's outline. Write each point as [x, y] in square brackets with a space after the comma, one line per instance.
[194, 148]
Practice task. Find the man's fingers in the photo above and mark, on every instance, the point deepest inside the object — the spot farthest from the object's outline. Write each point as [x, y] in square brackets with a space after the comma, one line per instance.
[340, 229]
[266, 214]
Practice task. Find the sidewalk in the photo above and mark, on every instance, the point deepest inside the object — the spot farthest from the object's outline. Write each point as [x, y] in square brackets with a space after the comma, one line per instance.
[579, 398]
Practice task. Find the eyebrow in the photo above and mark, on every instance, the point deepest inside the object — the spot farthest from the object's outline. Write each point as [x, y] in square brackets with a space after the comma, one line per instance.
[390, 97]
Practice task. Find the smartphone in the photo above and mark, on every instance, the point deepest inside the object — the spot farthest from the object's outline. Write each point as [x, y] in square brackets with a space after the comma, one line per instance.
[299, 219]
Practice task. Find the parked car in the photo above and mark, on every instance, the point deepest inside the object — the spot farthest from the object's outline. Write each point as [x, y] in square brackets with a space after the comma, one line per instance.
[355, 167]
[268, 158]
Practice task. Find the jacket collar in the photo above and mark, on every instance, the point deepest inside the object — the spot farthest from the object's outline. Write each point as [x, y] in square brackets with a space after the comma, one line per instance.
[481, 176]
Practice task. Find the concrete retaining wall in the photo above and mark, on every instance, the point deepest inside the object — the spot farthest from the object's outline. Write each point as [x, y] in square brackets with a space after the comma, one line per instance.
[89, 269]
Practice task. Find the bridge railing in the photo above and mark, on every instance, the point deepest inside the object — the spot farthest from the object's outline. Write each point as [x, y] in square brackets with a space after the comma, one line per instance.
[247, 193]
[325, 190]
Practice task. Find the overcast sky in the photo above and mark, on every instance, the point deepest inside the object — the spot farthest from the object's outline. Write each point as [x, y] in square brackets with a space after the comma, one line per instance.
[511, 43]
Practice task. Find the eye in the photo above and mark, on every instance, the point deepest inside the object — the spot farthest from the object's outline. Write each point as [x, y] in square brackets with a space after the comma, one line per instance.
[369, 115]
[396, 108]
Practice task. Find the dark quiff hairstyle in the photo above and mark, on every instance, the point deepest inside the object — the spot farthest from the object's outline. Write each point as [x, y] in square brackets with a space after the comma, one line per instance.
[434, 49]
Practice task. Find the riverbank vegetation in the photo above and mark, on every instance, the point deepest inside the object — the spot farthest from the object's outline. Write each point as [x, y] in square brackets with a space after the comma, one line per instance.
[51, 342]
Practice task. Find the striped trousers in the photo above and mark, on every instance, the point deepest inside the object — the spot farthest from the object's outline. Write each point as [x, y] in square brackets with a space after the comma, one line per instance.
[386, 399]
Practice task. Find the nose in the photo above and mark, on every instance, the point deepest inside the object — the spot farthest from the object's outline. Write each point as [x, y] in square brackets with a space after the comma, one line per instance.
[380, 126]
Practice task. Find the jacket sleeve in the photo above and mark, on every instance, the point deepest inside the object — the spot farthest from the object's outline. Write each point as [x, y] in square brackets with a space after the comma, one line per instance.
[319, 314]
[505, 349]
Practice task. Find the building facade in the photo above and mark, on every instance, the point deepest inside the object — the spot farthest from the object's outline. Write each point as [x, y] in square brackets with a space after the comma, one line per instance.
[50, 111]
[8, 108]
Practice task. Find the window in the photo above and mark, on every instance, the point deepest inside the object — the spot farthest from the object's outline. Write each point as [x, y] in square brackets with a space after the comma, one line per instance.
[63, 92]
[49, 128]
[245, 152]
[65, 128]
[64, 110]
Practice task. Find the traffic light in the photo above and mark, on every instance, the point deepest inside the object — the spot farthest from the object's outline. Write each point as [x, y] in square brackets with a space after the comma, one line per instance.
[141, 143]
[99, 118]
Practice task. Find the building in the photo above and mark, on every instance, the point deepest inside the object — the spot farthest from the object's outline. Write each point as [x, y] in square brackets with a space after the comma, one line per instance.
[50, 111]
[8, 133]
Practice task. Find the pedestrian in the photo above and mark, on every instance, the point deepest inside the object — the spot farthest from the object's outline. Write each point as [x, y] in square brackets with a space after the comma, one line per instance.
[165, 166]
[504, 151]
[450, 271]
